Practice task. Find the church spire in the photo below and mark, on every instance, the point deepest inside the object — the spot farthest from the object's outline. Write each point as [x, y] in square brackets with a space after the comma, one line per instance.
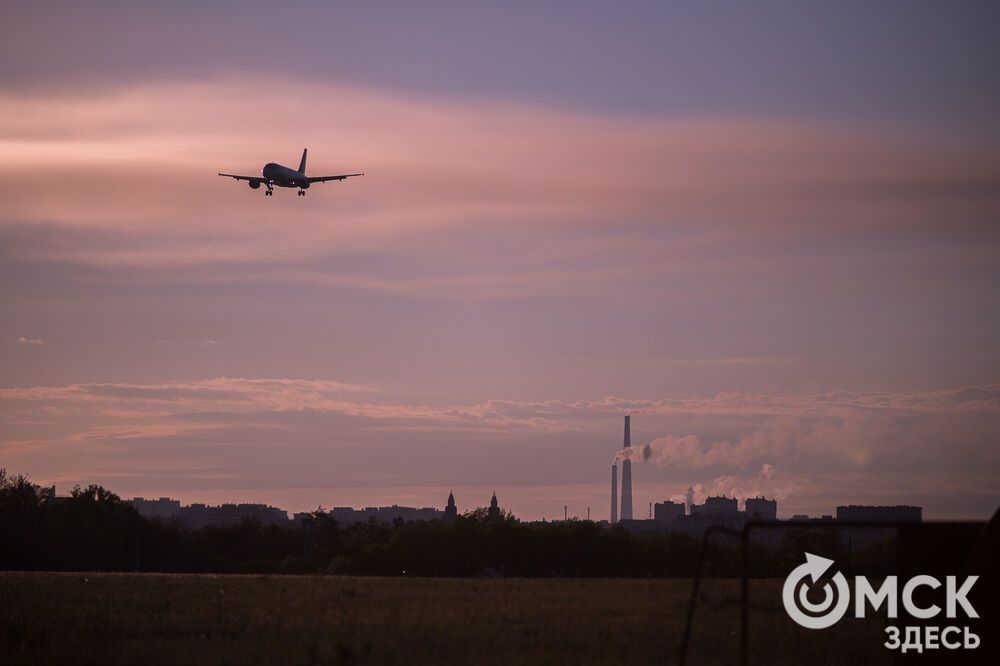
[494, 510]
[451, 511]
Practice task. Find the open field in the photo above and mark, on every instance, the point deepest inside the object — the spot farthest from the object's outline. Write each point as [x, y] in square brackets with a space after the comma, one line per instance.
[204, 619]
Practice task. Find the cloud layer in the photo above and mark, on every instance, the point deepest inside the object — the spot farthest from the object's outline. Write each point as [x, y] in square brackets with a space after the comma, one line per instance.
[330, 439]
[647, 216]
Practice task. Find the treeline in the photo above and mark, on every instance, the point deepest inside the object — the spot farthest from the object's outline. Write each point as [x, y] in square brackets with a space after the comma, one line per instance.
[93, 530]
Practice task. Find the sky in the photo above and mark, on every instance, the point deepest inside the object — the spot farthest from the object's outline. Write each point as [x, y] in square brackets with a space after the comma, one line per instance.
[769, 232]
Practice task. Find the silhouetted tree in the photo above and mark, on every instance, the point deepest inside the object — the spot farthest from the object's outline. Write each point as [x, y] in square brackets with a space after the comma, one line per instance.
[94, 530]
[21, 526]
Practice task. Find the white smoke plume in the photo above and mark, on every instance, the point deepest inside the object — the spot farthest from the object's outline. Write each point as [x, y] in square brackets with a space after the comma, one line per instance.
[681, 451]
[687, 452]
[767, 483]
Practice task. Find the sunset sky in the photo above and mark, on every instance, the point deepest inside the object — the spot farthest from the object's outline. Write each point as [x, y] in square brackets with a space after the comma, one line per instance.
[769, 231]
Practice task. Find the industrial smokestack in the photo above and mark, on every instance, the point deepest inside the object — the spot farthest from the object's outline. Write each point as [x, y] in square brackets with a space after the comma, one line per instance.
[627, 476]
[614, 494]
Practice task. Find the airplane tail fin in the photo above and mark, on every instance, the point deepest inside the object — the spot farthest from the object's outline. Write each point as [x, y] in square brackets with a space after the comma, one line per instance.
[302, 164]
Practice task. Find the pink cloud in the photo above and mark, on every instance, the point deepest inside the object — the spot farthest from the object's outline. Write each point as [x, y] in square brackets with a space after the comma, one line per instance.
[143, 160]
[795, 447]
[753, 226]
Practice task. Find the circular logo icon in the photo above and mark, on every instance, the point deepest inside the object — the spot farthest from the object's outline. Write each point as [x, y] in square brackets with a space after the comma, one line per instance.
[809, 615]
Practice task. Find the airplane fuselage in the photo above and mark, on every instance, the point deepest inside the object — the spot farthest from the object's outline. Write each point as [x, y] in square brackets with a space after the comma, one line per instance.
[276, 175]
[282, 176]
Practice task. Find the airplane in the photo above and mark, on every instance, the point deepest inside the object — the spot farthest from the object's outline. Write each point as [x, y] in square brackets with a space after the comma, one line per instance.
[281, 176]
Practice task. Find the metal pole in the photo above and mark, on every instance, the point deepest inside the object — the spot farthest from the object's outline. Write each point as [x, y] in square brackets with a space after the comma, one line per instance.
[745, 608]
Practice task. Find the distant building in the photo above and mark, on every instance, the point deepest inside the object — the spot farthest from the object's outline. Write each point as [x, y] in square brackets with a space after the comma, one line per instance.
[855, 538]
[898, 513]
[669, 516]
[451, 511]
[760, 508]
[160, 509]
[197, 516]
[386, 514]
[716, 505]
[345, 515]
[667, 511]
[724, 512]
[48, 496]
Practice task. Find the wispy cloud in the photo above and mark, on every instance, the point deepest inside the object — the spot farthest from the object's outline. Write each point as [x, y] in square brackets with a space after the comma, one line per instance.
[750, 238]
[795, 447]
[207, 342]
[456, 163]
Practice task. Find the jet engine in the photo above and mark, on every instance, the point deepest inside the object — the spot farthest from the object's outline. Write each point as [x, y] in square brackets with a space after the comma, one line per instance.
[254, 184]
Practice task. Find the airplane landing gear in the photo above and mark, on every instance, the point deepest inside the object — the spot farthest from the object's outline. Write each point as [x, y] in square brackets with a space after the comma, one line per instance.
[302, 193]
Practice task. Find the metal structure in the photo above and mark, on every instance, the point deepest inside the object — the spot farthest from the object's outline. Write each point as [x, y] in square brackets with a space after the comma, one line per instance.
[744, 536]
[627, 476]
[614, 494]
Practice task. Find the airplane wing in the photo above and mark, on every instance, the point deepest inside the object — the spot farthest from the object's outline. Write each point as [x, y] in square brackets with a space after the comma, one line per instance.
[323, 179]
[257, 178]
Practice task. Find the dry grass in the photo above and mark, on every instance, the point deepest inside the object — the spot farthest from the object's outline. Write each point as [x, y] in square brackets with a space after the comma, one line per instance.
[199, 619]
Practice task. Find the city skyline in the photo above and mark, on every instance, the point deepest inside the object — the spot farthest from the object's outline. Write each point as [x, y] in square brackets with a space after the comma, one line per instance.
[199, 514]
[768, 233]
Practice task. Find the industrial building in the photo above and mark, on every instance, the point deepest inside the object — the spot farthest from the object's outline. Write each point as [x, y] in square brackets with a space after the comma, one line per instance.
[716, 506]
[667, 511]
[760, 508]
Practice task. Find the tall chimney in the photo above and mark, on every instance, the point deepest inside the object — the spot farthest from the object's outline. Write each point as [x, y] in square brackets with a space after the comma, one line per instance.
[614, 494]
[627, 476]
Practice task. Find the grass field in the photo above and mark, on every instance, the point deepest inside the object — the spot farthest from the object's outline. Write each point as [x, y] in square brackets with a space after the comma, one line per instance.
[203, 619]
